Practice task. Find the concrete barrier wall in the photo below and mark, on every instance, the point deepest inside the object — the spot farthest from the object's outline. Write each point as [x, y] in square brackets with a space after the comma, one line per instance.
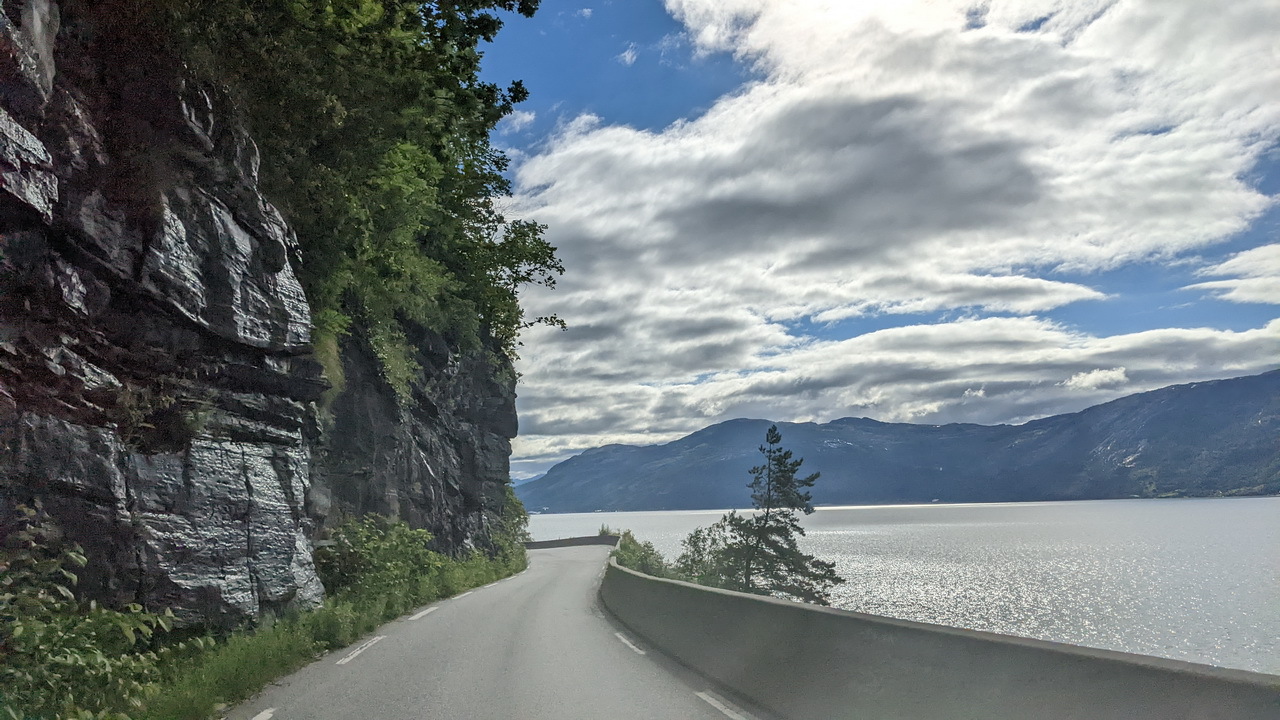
[803, 662]
[610, 540]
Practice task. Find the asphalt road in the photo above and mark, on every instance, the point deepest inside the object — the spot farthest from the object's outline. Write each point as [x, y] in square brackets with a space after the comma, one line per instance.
[536, 646]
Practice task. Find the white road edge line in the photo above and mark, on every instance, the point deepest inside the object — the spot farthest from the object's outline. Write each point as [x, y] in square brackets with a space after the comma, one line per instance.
[424, 613]
[718, 704]
[367, 644]
[629, 644]
[265, 714]
[464, 594]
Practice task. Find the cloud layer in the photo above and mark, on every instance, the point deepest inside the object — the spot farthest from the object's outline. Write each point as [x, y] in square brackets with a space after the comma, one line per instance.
[952, 169]
[1253, 276]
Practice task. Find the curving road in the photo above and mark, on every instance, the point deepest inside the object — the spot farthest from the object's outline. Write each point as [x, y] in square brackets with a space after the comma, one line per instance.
[535, 646]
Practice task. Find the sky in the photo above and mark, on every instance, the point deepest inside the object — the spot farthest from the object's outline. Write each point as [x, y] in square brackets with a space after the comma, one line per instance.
[914, 211]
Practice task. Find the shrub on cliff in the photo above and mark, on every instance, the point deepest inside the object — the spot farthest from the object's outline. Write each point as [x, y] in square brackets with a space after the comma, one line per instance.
[60, 658]
[512, 532]
[374, 554]
[640, 556]
[705, 559]
[374, 130]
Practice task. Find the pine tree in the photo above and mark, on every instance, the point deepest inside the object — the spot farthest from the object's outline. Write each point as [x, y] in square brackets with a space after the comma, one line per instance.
[759, 554]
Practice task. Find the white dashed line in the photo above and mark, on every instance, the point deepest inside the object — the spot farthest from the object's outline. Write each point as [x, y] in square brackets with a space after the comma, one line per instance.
[265, 714]
[424, 613]
[464, 594]
[368, 644]
[723, 707]
[628, 643]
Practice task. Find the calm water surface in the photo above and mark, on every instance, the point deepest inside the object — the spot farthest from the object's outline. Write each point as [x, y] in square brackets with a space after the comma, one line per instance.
[1191, 579]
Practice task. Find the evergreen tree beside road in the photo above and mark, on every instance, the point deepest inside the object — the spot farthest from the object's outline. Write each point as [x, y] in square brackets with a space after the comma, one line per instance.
[759, 553]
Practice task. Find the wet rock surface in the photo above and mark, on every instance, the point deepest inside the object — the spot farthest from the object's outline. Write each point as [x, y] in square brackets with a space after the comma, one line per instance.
[157, 389]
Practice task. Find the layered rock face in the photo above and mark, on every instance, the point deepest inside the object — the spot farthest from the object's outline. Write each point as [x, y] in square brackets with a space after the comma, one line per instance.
[439, 464]
[157, 390]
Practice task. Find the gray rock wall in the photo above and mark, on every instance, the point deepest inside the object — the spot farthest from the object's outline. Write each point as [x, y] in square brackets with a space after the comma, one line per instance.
[157, 391]
[440, 463]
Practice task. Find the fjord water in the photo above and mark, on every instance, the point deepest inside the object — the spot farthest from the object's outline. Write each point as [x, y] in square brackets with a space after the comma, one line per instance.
[1190, 579]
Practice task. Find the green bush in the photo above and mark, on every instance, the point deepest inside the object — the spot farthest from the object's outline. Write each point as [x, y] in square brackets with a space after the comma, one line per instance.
[640, 556]
[60, 658]
[512, 532]
[332, 626]
[705, 558]
[373, 555]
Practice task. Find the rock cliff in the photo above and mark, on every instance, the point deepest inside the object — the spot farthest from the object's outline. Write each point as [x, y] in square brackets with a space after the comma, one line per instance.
[157, 389]
[441, 463]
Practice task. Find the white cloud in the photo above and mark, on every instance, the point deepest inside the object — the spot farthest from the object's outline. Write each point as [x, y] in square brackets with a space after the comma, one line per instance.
[515, 122]
[892, 161]
[628, 56]
[585, 13]
[1094, 379]
[1256, 277]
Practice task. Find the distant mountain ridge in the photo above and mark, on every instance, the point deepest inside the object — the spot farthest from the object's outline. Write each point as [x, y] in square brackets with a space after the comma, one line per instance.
[1200, 439]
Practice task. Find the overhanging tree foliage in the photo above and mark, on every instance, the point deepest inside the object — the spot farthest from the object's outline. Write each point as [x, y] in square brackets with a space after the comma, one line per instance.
[374, 131]
[759, 553]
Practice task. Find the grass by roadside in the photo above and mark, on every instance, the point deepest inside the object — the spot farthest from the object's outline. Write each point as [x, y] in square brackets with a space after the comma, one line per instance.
[65, 659]
[247, 661]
